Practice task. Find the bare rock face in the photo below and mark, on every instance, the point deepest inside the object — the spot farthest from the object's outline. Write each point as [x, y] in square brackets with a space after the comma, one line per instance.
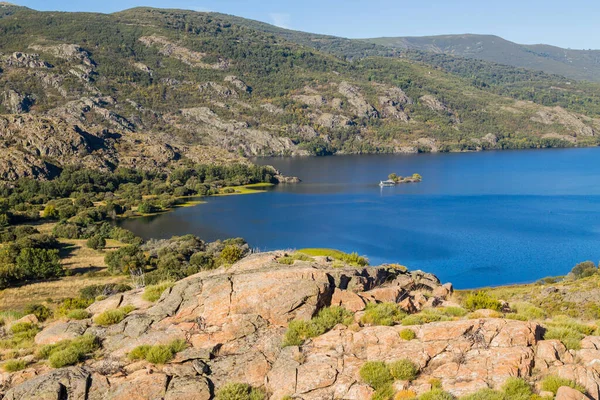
[15, 102]
[185, 55]
[361, 107]
[25, 60]
[234, 321]
[238, 83]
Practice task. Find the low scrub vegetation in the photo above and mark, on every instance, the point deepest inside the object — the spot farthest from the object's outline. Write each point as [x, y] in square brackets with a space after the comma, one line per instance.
[299, 331]
[568, 331]
[380, 375]
[69, 352]
[239, 391]
[112, 317]
[350, 259]
[153, 292]
[552, 383]
[407, 334]
[289, 259]
[14, 365]
[584, 270]
[386, 314]
[157, 354]
[481, 300]
[78, 314]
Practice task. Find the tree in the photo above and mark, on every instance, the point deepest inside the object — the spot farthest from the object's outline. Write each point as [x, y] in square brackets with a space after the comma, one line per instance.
[35, 263]
[96, 242]
[50, 212]
[393, 176]
[128, 258]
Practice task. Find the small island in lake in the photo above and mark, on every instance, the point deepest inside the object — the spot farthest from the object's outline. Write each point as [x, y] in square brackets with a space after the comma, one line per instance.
[394, 179]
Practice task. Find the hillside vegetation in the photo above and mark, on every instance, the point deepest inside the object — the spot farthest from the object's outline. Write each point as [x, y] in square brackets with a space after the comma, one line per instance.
[152, 89]
[576, 64]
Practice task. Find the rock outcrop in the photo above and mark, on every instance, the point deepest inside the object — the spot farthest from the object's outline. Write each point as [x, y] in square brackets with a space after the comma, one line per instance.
[234, 321]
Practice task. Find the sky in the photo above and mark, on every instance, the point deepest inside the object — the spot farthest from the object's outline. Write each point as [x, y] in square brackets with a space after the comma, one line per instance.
[572, 24]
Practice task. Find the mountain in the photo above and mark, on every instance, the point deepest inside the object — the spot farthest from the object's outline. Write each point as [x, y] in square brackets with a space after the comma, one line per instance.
[574, 64]
[152, 89]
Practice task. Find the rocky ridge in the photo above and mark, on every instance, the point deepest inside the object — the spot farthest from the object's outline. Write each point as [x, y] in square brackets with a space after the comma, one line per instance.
[234, 320]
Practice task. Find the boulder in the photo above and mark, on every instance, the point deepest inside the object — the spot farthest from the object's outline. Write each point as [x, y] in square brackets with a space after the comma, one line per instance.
[567, 393]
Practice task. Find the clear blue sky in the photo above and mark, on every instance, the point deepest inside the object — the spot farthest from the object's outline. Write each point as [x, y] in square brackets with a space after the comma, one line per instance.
[574, 23]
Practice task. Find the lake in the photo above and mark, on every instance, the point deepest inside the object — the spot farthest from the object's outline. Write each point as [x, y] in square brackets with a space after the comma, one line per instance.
[476, 219]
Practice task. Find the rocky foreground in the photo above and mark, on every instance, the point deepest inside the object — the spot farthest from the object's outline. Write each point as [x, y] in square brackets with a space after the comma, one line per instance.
[234, 321]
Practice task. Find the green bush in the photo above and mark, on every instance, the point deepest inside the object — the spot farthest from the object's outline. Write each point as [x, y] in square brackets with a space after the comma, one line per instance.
[22, 327]
[112, 317]
[436, 394]
[290, 259]
[96, 242]
[139, 353]
[517, 389]
[153, 292]
[481, 300]
[404, 370]
[69, 352]
[386, 314]
[407, 334]
[299, 331]
[39, 263]
[14, 365]
[41, 312]
[231, 254]
[551, 383]
[486, 394]
[239, 391]
[65, 357]
[454, 311]
[584, 269]
[376, 374]
[125, 259]
[384, 393]
[70, 304]
[78, 314]
[92, 291]
[351, 259]
[159, 354]
[529, 311]
[424, 317]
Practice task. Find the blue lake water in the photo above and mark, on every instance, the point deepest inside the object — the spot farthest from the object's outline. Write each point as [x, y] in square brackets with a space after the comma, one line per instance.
[477, 219]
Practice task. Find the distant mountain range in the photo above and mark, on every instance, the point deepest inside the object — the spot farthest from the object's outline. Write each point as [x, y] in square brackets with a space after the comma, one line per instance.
[575, 64]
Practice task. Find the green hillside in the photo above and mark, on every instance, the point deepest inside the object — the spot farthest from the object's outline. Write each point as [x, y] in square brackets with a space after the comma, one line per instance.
[575, 64]
[150, 89]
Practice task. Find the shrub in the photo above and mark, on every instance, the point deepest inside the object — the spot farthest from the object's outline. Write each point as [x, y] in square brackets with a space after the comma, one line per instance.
[386, 314]
[376, 374]
[404, 370]
[584, 269]
[529, 311]
[92, 291]
[436, 394]
[70, 304]
[552, 383]
[486, 394]
[146, 208]
[231, 254]
[65, 357]
[69, 352]
[384, 393]
[407, 334]
[14, 365]
[78, 314]
[424, 317]
[202, 260]
[290, 259]
[139, 353]
[111, 317]
[351, 259]
[454, 311]
[159, 354]
[125, 259]
[41, 312]
[239, 391]
[96, 242]
[481, 300]
[298, 331]
[153, 292]
[517, 389]
[22, 327]
[569, 337]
